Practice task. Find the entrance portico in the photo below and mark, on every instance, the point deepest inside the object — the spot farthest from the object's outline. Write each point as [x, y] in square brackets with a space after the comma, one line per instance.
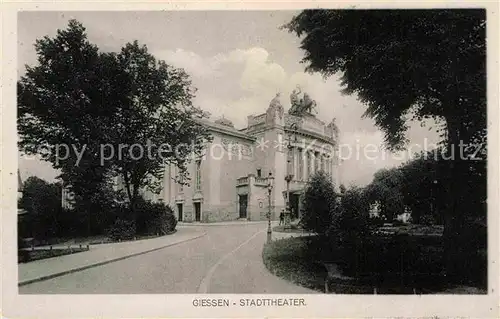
[296, 198]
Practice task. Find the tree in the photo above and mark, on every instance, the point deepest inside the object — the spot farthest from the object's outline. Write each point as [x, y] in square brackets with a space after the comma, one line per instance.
[320, 204]
[352, 226]
[354, 212]
[386, 188]
[65, 105]
[42, 202]
[422, 186]
[117, 114]
[402, 63]
[158, 122]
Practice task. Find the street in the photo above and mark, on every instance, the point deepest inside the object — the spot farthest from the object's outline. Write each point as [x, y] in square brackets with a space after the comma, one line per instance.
[226, 260]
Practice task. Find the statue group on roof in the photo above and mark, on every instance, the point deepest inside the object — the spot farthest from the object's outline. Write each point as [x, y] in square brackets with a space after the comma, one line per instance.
[301, 106]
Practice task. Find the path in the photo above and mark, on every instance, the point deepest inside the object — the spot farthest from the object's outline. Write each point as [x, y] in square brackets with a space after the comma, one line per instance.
[226, 260]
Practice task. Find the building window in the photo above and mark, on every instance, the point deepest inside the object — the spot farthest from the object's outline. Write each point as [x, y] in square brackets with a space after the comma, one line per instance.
[259, 172]
[198, 174]
[301, 165]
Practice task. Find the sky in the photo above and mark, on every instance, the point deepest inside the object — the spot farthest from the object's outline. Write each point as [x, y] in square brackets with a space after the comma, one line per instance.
[238, 61]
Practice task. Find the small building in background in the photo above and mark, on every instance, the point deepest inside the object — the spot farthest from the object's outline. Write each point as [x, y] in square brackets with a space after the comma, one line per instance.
[67, 198]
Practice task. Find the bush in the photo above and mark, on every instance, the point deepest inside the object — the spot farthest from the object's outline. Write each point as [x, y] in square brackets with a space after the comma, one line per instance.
[122, 230]
[427, 220]
[97, 212]
[397, 222]
[320, 204]
[354, 219]
[154, 218]
[376, 221]
[352, 227]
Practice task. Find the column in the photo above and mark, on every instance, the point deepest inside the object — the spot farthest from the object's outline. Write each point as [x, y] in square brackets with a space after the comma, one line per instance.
[315, 162]
[302, 169]
[290, 169]
[295, 164]
[309, 166]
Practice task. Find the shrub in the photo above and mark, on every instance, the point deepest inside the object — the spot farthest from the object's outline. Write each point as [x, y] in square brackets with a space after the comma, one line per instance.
[97, 212]
[320, 204]
[353, 226]
[122, 230]
[427, 220]
[154, 218]
[354, 217]
[397, 222]
[376, 221]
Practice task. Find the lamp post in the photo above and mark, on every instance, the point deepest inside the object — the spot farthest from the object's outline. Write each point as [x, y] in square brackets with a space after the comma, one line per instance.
[288, 179]
[289, 175]
[270, 184]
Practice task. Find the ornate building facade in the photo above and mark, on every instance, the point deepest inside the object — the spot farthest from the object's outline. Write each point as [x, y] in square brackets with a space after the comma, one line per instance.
[230, 181]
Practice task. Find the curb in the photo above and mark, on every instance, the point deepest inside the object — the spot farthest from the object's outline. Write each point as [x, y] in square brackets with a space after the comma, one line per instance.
[66, 272]
[222, 224]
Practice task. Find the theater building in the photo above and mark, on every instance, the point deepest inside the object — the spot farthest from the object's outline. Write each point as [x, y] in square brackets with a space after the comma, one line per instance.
[230, 181]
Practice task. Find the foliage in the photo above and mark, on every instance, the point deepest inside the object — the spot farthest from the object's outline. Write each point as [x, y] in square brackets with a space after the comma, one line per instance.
[103, 211]
[354, 214]
[86, 104]
[65, 101]
[434, 64]
[290, 259]
[429, 64]
[25, 256]
[293, 229]
[42, 202]
[424, 183]
[320, 204]
[155, 218]
[353, 224]
[427, 220]
[122, 230]
[376, 221]
[386, 189]
[158, 115]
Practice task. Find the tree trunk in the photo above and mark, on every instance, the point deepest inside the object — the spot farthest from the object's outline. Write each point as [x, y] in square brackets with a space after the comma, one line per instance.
[132, 194]
[455, 216]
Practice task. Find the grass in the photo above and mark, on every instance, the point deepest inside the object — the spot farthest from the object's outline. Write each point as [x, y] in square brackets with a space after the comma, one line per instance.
[38, 254]
[299, 261]
[287, 258]
[293, 229]
[413, 230]
[89, 240]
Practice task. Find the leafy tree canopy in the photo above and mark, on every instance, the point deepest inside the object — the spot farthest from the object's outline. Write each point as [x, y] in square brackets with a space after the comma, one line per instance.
[430, 63]
[90, 103]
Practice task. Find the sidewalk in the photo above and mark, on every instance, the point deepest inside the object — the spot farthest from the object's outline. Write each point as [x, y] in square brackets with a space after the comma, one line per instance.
[229, 223]
[99, 255]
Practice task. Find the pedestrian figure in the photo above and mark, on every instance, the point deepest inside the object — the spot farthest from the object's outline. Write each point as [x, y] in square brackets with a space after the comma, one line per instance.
[282, 218]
